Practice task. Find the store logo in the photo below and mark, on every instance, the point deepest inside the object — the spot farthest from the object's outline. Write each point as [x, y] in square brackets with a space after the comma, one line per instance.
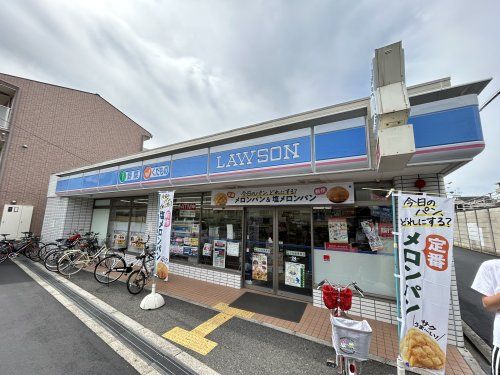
[156, 172]
[127, 176]
[259, 156]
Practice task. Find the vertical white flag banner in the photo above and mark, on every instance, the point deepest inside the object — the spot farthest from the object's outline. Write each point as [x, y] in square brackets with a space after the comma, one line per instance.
[164, 229]
[425, 226]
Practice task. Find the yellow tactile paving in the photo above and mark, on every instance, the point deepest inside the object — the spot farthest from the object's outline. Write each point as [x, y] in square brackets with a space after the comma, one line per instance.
[226, 309]
[190, 340]
[211, 324]
[195, 339]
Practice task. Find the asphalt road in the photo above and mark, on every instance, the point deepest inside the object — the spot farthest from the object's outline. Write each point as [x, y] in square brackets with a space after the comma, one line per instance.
[243, 347]
[40, 336]
[466, 265]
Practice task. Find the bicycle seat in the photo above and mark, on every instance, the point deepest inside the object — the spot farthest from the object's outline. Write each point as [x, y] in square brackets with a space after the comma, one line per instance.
[140, 257]
[60, 240]
[4, 234]
[120, 249]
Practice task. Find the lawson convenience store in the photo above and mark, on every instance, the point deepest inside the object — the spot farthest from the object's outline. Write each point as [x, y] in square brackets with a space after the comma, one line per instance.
[281, 205]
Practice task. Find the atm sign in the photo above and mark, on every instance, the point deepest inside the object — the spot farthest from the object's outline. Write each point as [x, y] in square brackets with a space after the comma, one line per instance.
[160, 171]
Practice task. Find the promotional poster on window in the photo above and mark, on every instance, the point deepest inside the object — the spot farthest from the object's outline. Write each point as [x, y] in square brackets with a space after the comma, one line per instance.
[219, 259]
[259, 267]
[337, 193]
[164, 229]
[425, 226]
[337, 230]
[295, 274]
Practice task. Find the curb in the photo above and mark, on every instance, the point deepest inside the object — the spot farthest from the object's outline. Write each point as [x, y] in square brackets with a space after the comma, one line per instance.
[471, 361]
[477, 341]
[163, 346]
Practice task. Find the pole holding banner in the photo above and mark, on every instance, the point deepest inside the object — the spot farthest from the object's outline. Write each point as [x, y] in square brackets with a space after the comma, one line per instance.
[162, 256]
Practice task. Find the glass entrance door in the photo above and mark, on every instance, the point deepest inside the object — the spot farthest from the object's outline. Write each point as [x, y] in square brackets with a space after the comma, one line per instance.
[259, 254]
[278, 250]
[294, 251]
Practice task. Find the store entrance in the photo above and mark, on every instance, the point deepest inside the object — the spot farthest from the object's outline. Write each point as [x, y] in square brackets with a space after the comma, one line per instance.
[278, 250]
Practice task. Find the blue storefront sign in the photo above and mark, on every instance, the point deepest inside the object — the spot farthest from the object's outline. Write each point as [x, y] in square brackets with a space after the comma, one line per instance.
[336, 146]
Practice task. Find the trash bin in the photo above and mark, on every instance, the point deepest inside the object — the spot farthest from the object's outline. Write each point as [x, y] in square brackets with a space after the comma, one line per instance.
[351, 338]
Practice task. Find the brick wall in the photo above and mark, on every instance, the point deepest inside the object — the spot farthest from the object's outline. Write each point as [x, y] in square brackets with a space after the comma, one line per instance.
[152, 217]
[62, 129]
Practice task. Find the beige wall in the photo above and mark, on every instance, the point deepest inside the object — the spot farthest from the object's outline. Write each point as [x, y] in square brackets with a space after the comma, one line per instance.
[62, 129]
[478, 230]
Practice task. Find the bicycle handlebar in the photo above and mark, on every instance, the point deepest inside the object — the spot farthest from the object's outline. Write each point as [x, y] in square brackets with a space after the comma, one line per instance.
[339, 286]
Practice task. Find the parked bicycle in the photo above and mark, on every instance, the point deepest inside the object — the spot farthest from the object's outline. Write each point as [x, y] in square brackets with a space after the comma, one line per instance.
[111, 268]
[53, 251]
[74, 260]
[138, 279]
[350, 338]
[29, 246]
[67, 242]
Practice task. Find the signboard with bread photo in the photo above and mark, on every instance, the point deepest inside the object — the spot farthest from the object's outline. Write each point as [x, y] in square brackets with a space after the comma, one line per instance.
[317, 194]
[425, 241]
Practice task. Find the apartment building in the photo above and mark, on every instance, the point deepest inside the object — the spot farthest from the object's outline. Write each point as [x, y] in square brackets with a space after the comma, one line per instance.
[45, 128]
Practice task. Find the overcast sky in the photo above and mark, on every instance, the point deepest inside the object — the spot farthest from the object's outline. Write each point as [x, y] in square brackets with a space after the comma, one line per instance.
[185, 69]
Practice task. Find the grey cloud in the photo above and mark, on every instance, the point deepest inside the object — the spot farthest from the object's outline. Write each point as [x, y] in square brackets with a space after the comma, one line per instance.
[184, 69]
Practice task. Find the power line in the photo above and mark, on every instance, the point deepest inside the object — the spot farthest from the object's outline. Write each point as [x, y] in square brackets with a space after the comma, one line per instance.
[489, 100]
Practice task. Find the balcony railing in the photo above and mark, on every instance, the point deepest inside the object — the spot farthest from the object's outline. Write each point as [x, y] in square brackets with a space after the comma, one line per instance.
[4, 117]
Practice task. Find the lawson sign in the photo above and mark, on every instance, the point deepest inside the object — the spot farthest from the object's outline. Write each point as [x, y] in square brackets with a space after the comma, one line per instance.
[282, 153]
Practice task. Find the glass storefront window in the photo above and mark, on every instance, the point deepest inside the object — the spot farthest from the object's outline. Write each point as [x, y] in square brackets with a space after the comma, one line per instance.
[185, 237]
[137, 230]
[221, 235]
[127, 222]
[355, 244]
[119, 218]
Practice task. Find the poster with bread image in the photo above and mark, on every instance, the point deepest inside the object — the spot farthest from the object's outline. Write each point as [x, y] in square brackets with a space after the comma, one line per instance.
[419, 349]
[163, 233]
[328, 193]
[425, 251]
[162, 271]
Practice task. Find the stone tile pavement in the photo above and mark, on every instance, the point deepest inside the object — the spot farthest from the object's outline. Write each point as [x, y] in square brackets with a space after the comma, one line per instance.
[315, 323]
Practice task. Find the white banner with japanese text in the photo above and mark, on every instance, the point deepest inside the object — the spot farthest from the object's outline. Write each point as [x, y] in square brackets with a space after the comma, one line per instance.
[425, 226]
[321, 193]
[164, 229]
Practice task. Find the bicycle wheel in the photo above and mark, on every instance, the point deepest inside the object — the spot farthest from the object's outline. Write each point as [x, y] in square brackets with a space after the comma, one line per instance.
[45, 248]
[4, 253]
[51, 259]
[136, 282]
[71, 263]
[110, 269]
[32, 252]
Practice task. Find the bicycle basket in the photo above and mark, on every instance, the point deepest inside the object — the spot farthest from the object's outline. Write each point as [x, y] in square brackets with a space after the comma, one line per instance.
[351, 338]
